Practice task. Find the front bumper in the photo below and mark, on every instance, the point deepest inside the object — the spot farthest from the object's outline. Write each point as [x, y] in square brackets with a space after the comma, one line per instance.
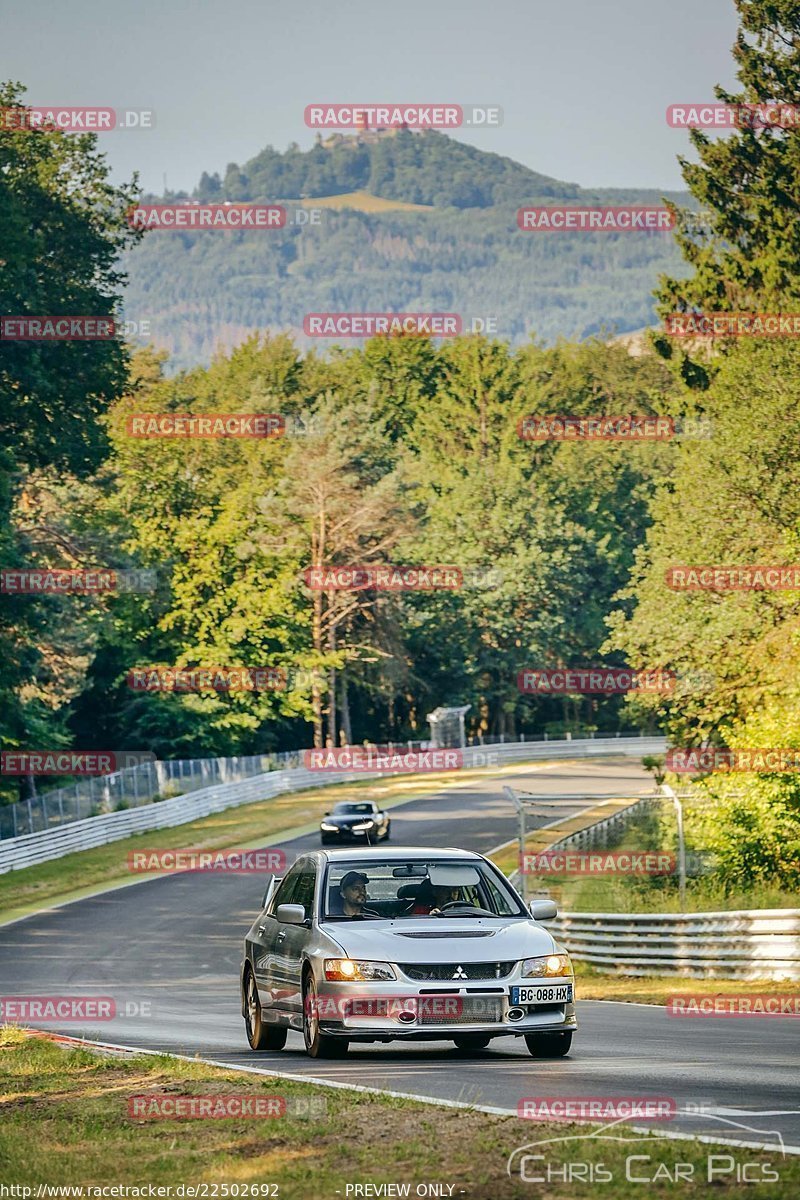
[348, 834]
[402, 1009]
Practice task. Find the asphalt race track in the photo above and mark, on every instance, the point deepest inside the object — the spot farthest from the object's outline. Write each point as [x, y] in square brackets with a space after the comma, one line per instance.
[171, 946]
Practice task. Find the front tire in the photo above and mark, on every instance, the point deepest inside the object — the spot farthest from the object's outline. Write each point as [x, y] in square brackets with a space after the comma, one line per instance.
[260, 1035]
[388, 831]
[318, 1045]
[549, 1045]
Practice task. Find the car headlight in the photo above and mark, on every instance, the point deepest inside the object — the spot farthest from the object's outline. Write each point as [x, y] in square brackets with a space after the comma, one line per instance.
[328, 828]
[363, 825]
[548, 965]
[346, 969]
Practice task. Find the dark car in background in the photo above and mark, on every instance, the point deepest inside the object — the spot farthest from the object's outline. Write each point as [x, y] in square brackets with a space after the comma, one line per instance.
[355, 820]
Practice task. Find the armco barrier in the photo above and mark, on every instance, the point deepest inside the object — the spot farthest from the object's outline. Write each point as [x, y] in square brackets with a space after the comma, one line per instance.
[33, 848]
[756, 944]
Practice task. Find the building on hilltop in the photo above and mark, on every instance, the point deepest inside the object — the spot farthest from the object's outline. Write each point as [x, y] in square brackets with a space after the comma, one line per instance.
[364, 137]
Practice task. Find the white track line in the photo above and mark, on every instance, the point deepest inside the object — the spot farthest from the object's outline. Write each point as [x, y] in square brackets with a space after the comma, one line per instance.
[338, 1085]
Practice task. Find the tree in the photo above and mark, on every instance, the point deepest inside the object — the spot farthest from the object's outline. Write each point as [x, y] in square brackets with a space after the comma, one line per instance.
[732, 500]
[746, 255]
[347, 511]
[62, 229]
[209, 188]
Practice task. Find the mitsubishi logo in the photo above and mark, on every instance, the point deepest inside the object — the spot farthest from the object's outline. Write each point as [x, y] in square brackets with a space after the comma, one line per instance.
[459, 973]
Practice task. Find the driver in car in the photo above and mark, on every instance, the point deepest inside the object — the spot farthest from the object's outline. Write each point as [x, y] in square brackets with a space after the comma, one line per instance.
[353, 896]
[432, 899]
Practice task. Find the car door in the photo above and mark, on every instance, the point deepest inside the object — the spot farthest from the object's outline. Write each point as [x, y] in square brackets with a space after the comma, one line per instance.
[292, 940]
[266, 951]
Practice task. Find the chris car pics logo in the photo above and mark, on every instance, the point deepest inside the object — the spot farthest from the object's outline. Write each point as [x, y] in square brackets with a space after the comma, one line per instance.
[575, 1158]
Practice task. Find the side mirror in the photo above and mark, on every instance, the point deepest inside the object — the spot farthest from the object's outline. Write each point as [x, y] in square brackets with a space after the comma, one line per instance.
[327, 814]
[291, 914]
[541, 910]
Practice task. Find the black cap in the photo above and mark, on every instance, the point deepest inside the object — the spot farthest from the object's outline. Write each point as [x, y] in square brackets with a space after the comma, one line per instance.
[353, 877]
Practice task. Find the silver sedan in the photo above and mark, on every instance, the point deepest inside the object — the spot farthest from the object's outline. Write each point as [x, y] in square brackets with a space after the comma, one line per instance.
[376, 945]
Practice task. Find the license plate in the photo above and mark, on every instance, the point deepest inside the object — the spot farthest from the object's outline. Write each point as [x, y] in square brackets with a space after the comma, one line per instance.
[542, 993]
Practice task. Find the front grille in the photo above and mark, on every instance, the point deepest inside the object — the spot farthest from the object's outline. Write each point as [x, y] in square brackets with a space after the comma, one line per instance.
[457, 971]
[469, 1010]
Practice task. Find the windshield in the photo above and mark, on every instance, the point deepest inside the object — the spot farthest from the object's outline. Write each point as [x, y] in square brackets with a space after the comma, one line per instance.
[352, 809]
[418, 890]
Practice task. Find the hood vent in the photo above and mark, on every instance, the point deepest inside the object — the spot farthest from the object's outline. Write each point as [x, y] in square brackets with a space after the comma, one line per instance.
[464, 933]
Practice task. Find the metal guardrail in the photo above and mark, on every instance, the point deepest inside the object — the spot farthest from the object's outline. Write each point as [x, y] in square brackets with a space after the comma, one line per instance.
[596, 835]
[745, 944]
[741, 944]
[148, 782]
[32, 848]
[133, 787]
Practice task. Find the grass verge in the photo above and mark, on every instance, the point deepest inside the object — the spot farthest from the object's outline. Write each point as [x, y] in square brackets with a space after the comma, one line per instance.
[656, 989]
[65, 1121]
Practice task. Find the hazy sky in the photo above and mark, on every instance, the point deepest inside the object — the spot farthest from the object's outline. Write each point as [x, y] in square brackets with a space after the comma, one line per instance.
[583, 83]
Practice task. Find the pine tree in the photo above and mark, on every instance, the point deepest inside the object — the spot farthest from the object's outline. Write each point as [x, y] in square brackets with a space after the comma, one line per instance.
[745, 254]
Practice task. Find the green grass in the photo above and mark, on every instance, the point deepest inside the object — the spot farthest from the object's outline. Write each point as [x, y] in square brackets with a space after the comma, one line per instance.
[64, 1121]
[656, 989]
